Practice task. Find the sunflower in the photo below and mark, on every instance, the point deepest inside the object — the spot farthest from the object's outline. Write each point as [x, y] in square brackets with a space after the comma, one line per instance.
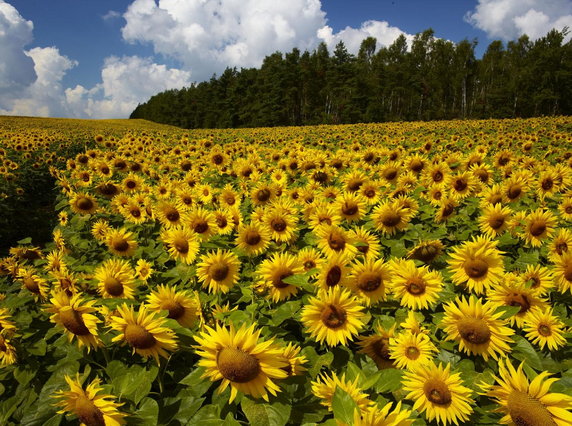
[539, 225]
[446, 209]
[99, 229]
[333, 240]
[8, 354]
[7, 327]
[376, 346]
[563, 272]
[132, 183]
[120, 242]
[413, 323]
[170, 214]
[182, 244]
[409, 350]
[281, 224]
[375, 416]
[438, 393]
[115, 278]
[310, 258]
[291, 353]
[333, 272]
[224, 221]
[514, 188]
[202, 222]
[539, 278]
[544, 329]
[75, 316]
[461, 185]
[415, 287]
[252, 238]
[547, 183]
[323, 214]
[370, 280]
[353, 180]
[334, 316]
[477, 327]
[241, 360]
[90, 408]
[218, 271]
[561, 243]
[350, 207]
[366, 243]
[181, 306]
[478, 264]
[371, 192]
[83, 203]
[262, 194]
[426, 251]
[528, 403]
[273, 270]
[32, 282]
[325, 387]
[436, 173]
[565, 208]
[143, 269]
[494, 219]
[512, 291]
[228, 196]
[145, 333]
[389, 218]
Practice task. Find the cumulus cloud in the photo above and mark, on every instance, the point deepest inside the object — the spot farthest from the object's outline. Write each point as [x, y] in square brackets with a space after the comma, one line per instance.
[352, 37]
[126, 82]
[509, 19]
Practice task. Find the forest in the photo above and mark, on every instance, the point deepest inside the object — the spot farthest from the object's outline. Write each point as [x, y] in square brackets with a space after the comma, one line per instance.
[433, 79]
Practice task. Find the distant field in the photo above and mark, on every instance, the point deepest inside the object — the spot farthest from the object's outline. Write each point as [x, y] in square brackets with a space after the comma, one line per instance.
[397, 273]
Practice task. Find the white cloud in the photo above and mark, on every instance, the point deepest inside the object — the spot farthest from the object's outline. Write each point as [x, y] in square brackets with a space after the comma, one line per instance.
[509, 19]
[111, 15]
[352, 37]
[126, 82]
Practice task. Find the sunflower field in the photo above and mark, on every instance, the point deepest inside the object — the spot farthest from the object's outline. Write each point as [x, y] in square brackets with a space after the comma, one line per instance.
[370, 274]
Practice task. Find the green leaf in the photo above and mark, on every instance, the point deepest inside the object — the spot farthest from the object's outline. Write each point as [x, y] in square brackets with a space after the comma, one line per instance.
[264, 414]
[523, 351]
[133, 383]
[27, 240]
[344, 406]
[285, 311]
[38, 348]
[197, 385]
[148, 412]
[508, 311]
[389, 380]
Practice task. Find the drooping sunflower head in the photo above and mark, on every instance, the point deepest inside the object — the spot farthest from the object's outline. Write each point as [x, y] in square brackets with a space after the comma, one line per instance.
[32, 282]
[241, 360]
[426, 251]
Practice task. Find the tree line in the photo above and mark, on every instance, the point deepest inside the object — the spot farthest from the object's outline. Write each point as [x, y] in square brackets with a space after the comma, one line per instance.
[433, 79]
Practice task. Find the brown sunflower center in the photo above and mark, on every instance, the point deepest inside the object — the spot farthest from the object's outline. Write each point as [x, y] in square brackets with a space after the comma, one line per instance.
[380, 347]
[476, 268]
[390, 174]
[547, 184]
[221, 221]
[336, 241]
[416, 286]
[263, 195]
[72, 320]
[278, 281]
[32, 285]
[426, 253]
[568, 271]
[218, 159]
[561, 247]
[496, 221]
[278, 224]
[135, 212]
[113, 286]
[201, 226]
[390, 219]
[252, 237]
[537, 228]
[412, 352]
[437, 176]
[84, 204]
[568, 209]
[181, 245]
[354, 184]
[237, 366]
[474, 330]
[482, 175]
[219, 271]
[369, 281]
[514, 192]
[460, 185]
[518, 299]
[525, 410]
[369, 193]
[350, 208]
[437, 392]
[176, 310]
[172, 215]
[325, 219]
[333, 276]
[333, 316]
[544, 330]
[87, 412]
[121, 245]
[139, 337]
[448, 210]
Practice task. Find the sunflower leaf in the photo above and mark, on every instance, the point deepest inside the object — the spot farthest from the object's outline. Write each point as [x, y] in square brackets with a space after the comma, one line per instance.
[524, 351]
[344, 406]
[263, 414]
[508, 311]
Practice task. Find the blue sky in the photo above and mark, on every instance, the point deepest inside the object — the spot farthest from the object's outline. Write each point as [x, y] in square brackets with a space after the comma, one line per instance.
[99, 58]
